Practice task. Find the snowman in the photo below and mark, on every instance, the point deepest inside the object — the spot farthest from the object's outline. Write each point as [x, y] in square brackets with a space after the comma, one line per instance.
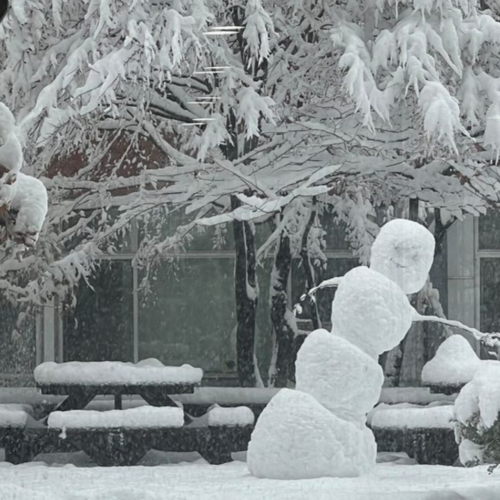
[319, 429]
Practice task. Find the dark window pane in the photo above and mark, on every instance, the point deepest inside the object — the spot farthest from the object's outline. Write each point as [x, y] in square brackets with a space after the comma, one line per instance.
[490, 295]
[100, 327]
[489, 231]
[189, 315]
[334, 267]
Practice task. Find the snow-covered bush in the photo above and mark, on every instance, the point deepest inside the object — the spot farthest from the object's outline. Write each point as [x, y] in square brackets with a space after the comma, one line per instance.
[477, 414]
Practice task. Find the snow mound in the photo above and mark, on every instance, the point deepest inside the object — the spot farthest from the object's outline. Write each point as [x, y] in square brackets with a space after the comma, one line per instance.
[481, 395]
[338, 374]
[11, 153]
[403, 251]
[297, 438]
[437, 417]
[133, 418]
[240, 415]
[114, 372]
[13, 417]
[370, 311]
[30, 205]
[455, 363]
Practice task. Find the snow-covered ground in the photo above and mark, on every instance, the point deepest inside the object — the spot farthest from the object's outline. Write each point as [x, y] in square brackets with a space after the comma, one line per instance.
[396, 479]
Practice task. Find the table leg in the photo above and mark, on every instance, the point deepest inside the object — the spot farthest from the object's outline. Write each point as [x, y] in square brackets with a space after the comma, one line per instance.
[78, 399]
[157, 397]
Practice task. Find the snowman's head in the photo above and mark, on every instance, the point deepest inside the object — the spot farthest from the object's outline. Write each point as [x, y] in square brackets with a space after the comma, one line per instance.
[403, 251]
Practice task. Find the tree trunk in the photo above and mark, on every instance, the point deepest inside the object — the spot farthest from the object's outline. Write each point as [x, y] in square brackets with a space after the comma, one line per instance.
[283, 332]
[245, 287]
[306, 264]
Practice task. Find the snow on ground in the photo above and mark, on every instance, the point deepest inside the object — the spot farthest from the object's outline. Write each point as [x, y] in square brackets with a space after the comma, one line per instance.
[199, 481]
[116, 372]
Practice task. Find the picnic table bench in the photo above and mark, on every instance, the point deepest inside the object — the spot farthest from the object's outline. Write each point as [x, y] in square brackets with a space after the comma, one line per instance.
[123, 436]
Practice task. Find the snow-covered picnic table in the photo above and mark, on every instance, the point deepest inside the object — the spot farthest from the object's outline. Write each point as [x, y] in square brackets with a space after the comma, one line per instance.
[123, 436]
[81, 382]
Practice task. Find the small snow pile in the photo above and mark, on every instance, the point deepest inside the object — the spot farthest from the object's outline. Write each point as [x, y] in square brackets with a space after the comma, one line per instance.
[477, 410]
[321, 371]
[370, 311]
[297, 438]
[241, 416]
[133, 418]
[403, 251]
[11, 153]
[11, 156]
[115, 372]
[455, 363]
[436, 417]
[29, 207]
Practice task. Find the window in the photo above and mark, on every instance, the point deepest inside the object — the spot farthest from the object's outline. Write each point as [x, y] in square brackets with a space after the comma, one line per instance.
[187, 314]
[100, 327]
[488, 259]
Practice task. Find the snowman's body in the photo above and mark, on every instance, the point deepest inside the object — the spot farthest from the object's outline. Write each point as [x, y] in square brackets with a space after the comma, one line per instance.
[339, 370]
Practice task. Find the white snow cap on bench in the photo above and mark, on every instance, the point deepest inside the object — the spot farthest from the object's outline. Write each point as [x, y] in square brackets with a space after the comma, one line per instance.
[12, 417]
[149, 371]
[436, 417]
[133, 418]
[241, 415]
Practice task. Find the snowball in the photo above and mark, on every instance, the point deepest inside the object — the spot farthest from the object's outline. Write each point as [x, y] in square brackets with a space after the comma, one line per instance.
[114, 372]
[437, 417]
[133, 418]
[370, 311]
[455, 363]
[30, 202]
[481, 395]
[338, 374]
[297, 438]
[403, 251]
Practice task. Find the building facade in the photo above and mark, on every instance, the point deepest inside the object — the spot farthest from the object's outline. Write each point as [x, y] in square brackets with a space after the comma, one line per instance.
[187, 313]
